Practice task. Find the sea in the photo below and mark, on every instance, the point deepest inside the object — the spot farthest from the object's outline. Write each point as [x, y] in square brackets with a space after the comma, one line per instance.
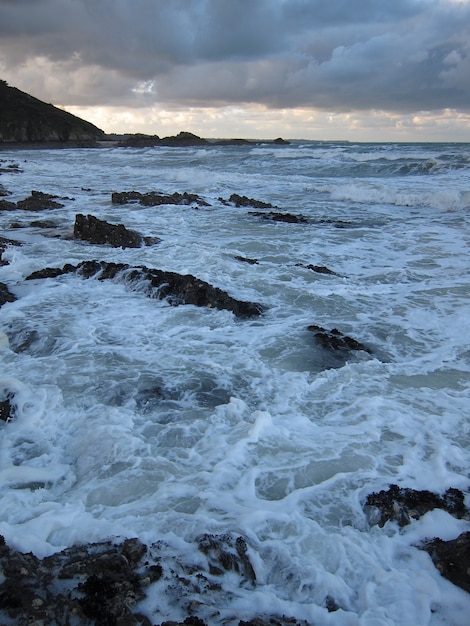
[137, 418]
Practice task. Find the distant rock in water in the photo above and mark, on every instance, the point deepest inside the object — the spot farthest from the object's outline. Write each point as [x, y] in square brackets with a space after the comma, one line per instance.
[38, 201]
[319, 269]
[242, 201]
[154, 198]
[275, 216]
[25, 119]
[175, 288]
[90, 228]
[334, 340]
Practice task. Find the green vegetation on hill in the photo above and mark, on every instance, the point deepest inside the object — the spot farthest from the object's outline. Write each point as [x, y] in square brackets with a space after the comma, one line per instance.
[25, 119]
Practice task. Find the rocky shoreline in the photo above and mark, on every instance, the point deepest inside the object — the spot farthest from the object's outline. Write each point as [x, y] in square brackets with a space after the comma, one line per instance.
[108, 582]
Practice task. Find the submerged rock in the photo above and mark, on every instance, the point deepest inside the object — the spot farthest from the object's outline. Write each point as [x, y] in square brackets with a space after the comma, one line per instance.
[335, 341]
[90, 228]
[274, 216]
[245, 259]
[175, 288]
[319, 269]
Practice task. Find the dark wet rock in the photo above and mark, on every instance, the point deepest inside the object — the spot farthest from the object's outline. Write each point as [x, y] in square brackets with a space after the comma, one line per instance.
[154, 198]
[5, 295]
[245, 259]
[7, 409]
[319, 269]
[244, 201]
[175, 288]
[275, 216]
[452, 559]
[224, 554]
[90, 228]
[335, 341]
[38, 201]
[402, 504]
[102, 583]
[93, 584]
[6, 205]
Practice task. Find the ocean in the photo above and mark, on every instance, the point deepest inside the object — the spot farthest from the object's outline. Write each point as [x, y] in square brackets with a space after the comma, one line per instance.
[137, 418]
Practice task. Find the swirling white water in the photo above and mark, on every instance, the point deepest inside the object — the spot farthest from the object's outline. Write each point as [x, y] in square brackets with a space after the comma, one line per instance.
[136, 418]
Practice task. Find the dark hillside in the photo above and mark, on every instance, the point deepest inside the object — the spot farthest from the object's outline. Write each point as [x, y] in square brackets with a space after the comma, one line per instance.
[25, 119]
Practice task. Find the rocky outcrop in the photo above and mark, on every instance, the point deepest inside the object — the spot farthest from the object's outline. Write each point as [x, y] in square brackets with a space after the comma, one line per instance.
[102, 583]
[90, 228]
[404, 505]
[154, 198]
[39, 201]
[175, 288]
[452, 558]
[25, 119]
[401, 504]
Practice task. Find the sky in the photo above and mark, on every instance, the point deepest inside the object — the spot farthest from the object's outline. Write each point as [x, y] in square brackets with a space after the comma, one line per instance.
[358, 70]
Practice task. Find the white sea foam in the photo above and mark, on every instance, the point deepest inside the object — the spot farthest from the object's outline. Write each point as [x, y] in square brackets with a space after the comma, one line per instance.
[136, 418]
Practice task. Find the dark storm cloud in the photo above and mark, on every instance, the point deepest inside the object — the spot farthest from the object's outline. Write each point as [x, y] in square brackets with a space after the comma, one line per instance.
[403, 55]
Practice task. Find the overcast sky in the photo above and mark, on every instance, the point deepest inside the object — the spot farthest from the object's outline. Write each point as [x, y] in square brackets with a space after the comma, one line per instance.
[313, 69]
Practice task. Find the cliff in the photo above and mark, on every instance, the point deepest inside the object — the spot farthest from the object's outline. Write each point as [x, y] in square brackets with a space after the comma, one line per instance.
[25, 119]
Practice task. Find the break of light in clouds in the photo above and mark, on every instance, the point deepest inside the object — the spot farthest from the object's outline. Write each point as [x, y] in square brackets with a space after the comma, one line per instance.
[355, 69]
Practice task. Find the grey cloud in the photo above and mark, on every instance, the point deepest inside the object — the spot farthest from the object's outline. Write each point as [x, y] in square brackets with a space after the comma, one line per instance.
[337, 55]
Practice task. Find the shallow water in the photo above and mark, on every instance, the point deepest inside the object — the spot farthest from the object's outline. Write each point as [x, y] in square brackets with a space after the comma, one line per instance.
[137, 418]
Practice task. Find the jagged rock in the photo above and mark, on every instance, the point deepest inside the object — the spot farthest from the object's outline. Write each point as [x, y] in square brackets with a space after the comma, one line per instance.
[242, 201]
[5, 294]
[91, 584]
[281, 217]
[4, 243]
[38, 201]
[452, 559]
[225, 554]
[91, 229]
[6, 205]
[6, 408]
[334, 340]
[175, 288]
[319, 269]
[154, 198]
[404, 504]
